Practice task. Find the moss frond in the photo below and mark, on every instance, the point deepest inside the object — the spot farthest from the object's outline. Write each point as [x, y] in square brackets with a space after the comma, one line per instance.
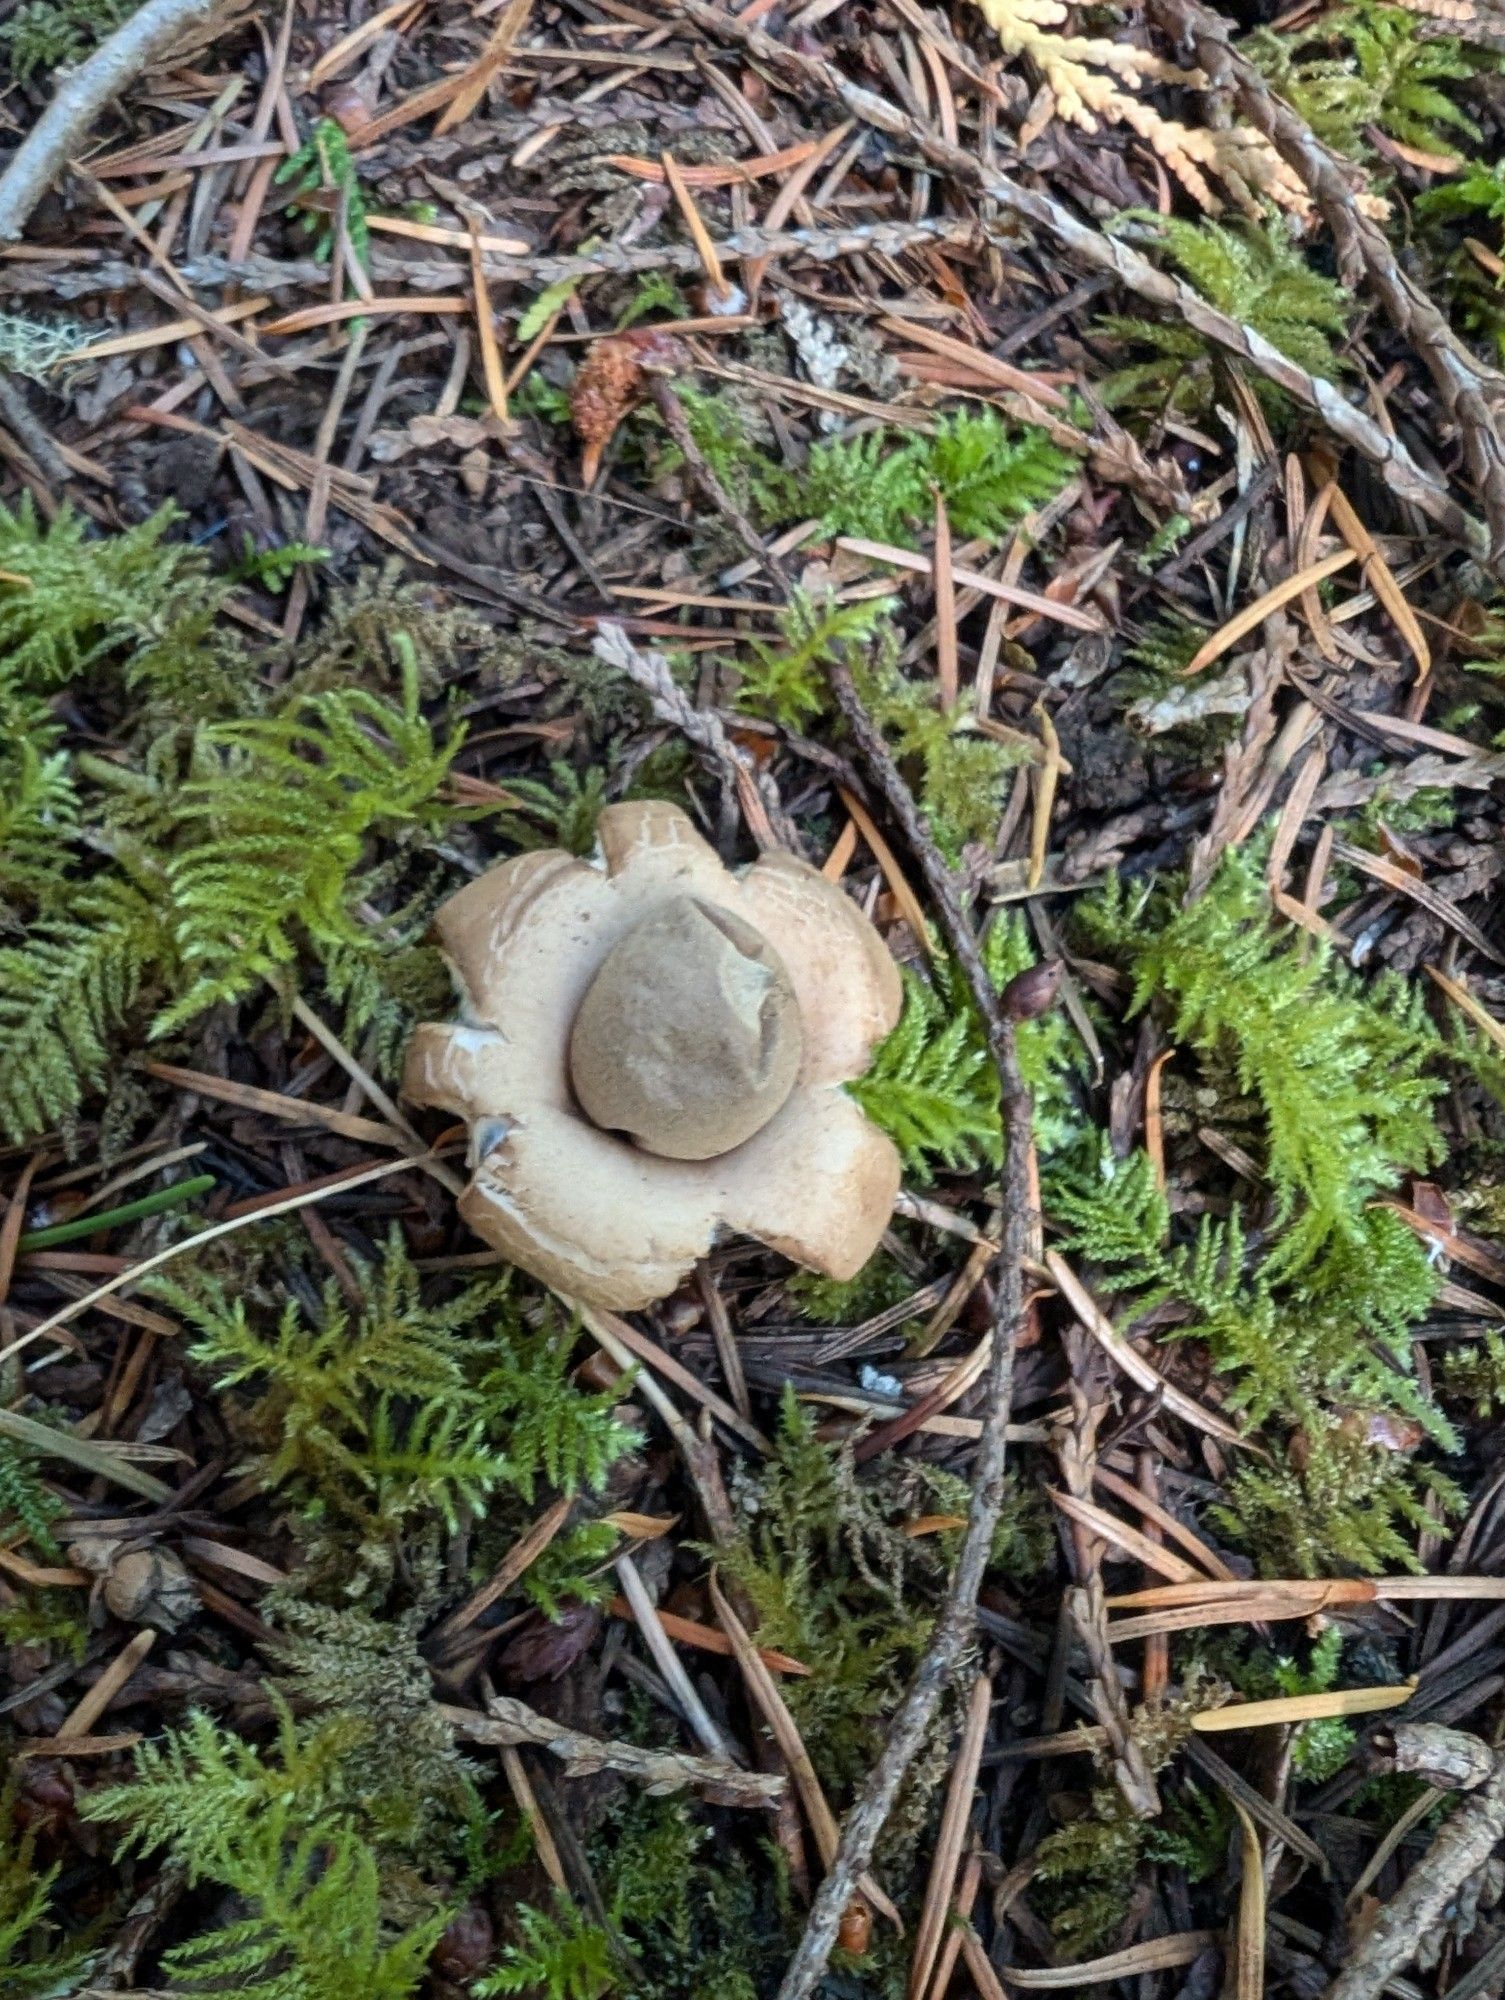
[932, 1085]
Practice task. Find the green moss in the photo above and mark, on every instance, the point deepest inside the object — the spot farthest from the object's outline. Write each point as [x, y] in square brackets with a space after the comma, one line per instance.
[932, 1085]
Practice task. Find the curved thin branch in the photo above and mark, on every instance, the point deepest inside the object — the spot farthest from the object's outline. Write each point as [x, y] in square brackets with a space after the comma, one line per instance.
[81, 96]
[1089, 246]
[957, 1622]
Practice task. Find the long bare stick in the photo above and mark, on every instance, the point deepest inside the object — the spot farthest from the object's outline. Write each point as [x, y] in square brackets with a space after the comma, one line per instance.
[81, 96]
[957, 1622]
[1091, 247]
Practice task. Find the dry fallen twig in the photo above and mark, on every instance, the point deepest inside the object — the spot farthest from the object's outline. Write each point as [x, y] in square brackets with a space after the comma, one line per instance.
[510, 1722]
[770, 825]
[1473, 396]
[81, 97]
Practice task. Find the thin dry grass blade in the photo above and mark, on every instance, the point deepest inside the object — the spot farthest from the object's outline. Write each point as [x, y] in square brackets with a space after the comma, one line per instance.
[81, 1722]
[1290, 1708]
[490, 63]
[893, 874]
[516, 1774]
[986, 366]
[706, 1639]
[437, 233]
[291, 1110]
[1249, 1944]
[644, 1349]
[1381, 579]
[333, 311]
[344, 52]
[1118, 1534]
[974, 579]
[645, 1614]
[771, 1705]
[1393, 876]
[1045, 779]
[1462, 999]
[515, 1564]
[695, 223]
[1154, 1955]
[492, 371]
[948, 671]
[1168, 1524]
[103, 1460]
[719, 173]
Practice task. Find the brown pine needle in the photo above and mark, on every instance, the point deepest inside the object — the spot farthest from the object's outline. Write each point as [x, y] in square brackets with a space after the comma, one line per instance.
[1254, 615]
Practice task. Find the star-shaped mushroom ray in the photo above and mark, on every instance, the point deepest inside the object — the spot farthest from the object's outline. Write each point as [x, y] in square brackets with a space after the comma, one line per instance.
[590, 1214]
[847, 985]
[584, 1209]
[817, 1184]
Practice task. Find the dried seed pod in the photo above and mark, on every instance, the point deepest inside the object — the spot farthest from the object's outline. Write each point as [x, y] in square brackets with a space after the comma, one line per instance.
[150, 1587]
[1032, 992]
[610, 382]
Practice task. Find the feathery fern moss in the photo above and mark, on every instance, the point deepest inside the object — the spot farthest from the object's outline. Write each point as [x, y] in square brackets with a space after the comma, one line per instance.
[27, 1502]
[932, 1085]
[34, 1963]
[1089, 1865]
[1333, 1334]
[1309, 1321]
[407, 1412]
[1468, 272]
[786, 681]
[1473, 1373]
[1335, 1497]
[403, 1773]
[558, 1954]
[836, 1583]
[881, 485]
[1341, 1073]
[44, 35]
[277, 835]
[960, 777]
[233, 838]
[323, 165]
[63, 994]
[284, 1836]
[1362, 65]
[845, 1301]
[1254, 274]
[135, 600]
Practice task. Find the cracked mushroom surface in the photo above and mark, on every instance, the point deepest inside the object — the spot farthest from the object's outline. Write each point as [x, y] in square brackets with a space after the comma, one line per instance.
[652, 1050]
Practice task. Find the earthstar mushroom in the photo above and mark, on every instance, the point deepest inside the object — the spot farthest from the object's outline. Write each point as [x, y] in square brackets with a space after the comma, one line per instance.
[652, 1050]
